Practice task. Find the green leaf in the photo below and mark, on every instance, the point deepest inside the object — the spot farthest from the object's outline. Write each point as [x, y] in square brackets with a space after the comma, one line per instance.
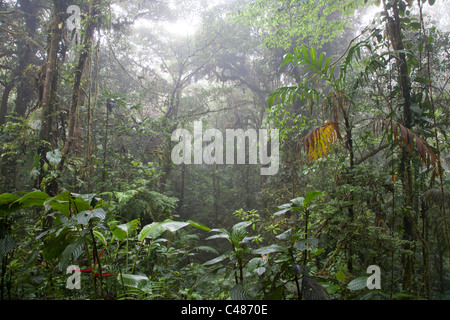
[198, 225]
[431, 2]
[311, 196]
[221, 235]
[54, 157]
[270, 249]
[155, 229]
[305, 53]
[239, 232]
[415, 26]
[327, 65]
[254, 264]
[285, 236]
[100, 236]
[310, 243]
[56, 243]
[85, 216]
[357, 284]
[140, 282]
[283, 209]
[32, 199]
[298, 201]
[288, 58]
[218, 259]
[340, 276]
[421, 80]
[123, 231]
[321, 60]
[7, 198]
[66, 201]
[6, 203]
[313, 55]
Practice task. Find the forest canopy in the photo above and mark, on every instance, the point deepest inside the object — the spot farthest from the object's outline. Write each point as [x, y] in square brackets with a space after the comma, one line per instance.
[226, 149]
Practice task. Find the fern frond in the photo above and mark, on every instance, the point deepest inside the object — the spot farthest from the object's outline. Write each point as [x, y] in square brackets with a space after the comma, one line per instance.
[73, 251]
[206, 249]
[238, 293]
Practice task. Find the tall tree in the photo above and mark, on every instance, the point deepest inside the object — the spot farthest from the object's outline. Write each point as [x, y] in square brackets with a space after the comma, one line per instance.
[83, 61]
[48, 84]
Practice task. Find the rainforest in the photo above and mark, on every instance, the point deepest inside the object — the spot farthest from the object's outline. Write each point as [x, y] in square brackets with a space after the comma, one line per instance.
[221, 150]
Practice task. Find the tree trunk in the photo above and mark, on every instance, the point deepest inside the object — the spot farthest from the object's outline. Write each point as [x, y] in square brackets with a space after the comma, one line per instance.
[82, 62]
[27, 55]
[4, 103]
[48, 88]
[182, 187]
[395, 37]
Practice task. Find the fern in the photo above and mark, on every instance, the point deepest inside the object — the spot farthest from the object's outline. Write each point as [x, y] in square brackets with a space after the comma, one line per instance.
[6, 245]
[313, 290]
[238, 293]
[206, 249]
[73, 251]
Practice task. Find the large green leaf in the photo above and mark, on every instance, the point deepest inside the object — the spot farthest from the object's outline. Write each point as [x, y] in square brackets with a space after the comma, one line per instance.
[304, 244]
[85, 216]
[221, 235]
[340, 276]
[311, 196]
[122, 231]
[270, 249]
[141, 282]
[155, 229]
[283, 209]
[298, 201]
[357, 284]
[56, 242]
[6, 200]
[32, 199]
[54, 157]
[152, 231]
[66, 201]
[198, 225]
[285, 236]
[218, 259]
[255, 265]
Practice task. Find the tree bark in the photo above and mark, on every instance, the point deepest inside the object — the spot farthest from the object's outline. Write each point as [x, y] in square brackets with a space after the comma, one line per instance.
[27, 55]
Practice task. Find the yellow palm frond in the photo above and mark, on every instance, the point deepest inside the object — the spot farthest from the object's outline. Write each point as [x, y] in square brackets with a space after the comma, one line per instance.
[317, 144]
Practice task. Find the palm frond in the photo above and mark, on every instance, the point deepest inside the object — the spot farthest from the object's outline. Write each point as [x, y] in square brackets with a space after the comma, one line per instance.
[317, 143]
[409, 139]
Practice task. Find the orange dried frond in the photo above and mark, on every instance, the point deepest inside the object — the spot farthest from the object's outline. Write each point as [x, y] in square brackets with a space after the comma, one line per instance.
[408, 139]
